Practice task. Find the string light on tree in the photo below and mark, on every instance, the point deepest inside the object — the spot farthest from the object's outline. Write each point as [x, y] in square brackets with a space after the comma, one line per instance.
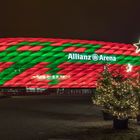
[129, 68]
[116, 94]
[137, 45]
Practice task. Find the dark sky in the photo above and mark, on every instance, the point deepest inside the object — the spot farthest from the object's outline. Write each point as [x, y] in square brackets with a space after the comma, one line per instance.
[105, 20]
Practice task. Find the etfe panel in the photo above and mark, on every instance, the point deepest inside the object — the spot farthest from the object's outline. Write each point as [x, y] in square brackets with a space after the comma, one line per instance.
[63, 63]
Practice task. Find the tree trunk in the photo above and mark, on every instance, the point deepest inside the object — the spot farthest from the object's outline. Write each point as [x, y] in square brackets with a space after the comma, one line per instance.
[107, 116]
[138, 119]
[120, 123]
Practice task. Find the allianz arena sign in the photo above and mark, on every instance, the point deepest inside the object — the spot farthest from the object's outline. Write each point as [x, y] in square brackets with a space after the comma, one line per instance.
[94, 57]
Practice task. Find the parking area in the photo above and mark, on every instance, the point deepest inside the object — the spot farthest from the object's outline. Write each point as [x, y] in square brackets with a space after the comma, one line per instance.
[50, 117]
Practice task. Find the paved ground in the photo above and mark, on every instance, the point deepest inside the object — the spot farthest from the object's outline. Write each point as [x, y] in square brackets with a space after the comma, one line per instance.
[50, 118]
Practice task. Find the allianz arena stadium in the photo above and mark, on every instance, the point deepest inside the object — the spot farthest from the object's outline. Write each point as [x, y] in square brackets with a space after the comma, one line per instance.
[46, 63]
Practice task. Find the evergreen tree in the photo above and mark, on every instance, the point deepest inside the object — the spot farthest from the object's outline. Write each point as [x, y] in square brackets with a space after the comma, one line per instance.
[116, 95]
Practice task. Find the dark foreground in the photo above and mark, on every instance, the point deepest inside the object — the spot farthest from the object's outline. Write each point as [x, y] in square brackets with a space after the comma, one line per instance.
[57, 118]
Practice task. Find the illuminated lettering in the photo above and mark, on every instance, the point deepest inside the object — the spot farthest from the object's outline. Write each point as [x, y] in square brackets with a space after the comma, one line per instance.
[94, 57]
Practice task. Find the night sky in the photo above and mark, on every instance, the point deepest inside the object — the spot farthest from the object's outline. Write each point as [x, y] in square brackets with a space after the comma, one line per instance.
[104, 20]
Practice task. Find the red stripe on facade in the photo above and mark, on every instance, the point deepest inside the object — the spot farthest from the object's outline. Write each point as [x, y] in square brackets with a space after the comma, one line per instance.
[118, 49]
[86, 75]
[3, 48]
[5, 65]
[30, 48]
[74, 49]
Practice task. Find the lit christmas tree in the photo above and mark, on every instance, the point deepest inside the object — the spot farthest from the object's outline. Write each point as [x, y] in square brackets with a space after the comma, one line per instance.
[116, 95]
[136, 85]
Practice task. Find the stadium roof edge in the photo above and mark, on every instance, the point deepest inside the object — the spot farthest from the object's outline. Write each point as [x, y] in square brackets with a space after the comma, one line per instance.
[61, 39]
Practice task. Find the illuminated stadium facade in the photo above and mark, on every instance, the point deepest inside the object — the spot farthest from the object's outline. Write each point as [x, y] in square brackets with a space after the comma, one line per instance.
[47, 63]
